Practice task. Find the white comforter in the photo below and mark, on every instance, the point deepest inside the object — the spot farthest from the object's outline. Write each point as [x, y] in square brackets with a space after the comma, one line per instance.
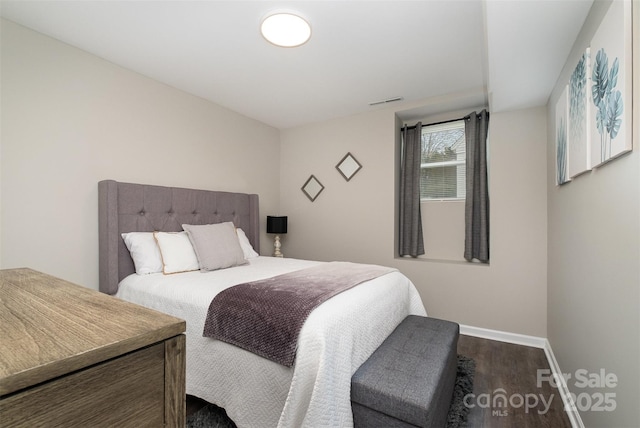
[336, 339]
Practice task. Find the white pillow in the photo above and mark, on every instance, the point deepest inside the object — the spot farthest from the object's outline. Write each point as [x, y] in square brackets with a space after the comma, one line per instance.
[177, 252]
[247, 249]
[144, 251]
[217, 245]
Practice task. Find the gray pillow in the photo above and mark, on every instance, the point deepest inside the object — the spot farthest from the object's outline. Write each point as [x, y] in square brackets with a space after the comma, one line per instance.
[216, 245]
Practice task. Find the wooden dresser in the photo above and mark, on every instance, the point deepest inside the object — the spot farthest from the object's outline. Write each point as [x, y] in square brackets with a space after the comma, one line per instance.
[71, 356]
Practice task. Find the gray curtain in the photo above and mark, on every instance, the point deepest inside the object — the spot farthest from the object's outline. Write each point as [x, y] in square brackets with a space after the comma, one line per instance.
[411, 241]
[476, 245]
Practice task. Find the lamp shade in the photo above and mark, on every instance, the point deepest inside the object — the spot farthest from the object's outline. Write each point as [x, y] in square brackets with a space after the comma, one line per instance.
[277, 224]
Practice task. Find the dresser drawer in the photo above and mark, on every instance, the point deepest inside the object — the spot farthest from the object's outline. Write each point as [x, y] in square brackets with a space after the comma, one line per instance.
[126, 391]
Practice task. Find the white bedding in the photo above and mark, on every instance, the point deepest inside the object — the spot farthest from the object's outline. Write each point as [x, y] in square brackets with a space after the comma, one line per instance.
[336, 339]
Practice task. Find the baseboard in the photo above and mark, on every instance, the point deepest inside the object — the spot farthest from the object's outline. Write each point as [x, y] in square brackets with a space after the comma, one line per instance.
[574, 416]
[503, 336]
[535, 342]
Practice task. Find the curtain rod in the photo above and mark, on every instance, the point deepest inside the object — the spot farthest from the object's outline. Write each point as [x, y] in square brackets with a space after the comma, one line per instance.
[437, 123]
[442, 122]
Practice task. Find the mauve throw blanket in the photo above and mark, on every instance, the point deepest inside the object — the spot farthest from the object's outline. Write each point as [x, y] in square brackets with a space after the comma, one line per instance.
[265, 316]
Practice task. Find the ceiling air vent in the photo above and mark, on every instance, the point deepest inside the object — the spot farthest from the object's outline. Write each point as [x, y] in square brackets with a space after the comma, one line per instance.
[390, 100]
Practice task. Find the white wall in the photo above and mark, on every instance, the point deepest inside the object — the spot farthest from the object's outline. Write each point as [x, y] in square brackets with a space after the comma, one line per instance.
[70, 119]
[443, 230]
[594, 261]
[355, 220]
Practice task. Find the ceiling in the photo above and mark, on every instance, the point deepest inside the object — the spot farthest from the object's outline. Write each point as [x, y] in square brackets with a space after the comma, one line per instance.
[360, 52]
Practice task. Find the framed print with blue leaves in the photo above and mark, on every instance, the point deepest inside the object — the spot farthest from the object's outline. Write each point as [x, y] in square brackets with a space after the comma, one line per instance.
[610, 85]
[579, 115]
[562, 160]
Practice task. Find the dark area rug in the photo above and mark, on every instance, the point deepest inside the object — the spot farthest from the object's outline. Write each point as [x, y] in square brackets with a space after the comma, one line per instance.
[458, 412]
[211, 416]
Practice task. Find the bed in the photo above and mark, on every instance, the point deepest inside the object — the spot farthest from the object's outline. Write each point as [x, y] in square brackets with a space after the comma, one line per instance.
[337, 337]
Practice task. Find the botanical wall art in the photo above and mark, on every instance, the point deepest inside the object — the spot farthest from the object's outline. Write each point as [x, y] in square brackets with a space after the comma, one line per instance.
[562, 113]
[578, 142]
[610, 85]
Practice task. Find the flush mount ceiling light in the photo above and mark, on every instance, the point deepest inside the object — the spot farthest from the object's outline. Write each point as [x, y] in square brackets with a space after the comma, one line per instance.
[286, 30]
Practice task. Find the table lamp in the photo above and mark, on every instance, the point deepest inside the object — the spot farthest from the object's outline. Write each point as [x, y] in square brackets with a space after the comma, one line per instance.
[277, 225]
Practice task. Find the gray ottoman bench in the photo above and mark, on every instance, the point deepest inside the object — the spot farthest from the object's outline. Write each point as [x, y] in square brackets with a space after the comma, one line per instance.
[408, 381]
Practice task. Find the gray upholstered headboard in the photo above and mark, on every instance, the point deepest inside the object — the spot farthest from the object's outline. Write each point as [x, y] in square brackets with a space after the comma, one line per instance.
[126, 207]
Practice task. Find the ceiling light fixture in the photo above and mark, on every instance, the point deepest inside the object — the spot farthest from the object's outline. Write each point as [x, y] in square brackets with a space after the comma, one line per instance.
[286, 30]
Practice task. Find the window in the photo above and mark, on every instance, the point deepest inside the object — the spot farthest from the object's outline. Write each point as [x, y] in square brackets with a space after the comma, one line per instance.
[442, 168]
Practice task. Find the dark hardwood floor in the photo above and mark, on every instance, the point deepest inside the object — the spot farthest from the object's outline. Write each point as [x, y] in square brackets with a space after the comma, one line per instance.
[502, 370]
[194, 404]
